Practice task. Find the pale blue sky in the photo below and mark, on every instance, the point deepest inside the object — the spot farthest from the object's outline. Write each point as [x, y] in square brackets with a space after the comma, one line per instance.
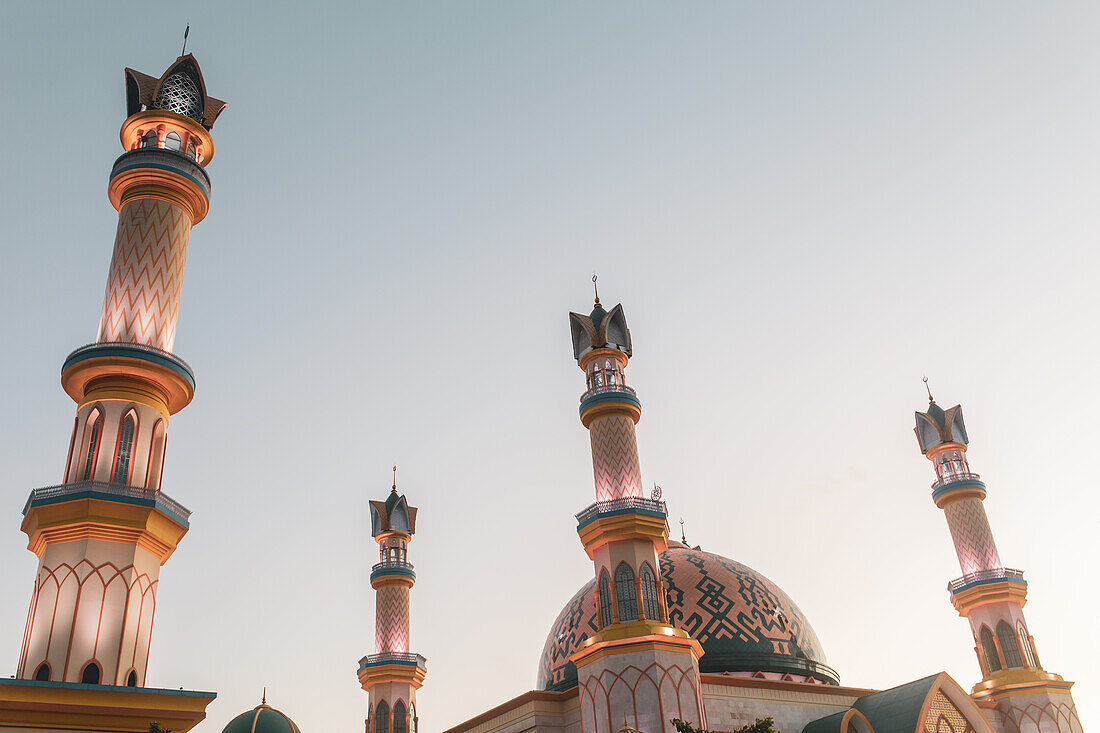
[802, 206]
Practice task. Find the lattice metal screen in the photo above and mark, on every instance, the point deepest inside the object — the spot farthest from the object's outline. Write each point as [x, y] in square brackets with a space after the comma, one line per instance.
[180, 94]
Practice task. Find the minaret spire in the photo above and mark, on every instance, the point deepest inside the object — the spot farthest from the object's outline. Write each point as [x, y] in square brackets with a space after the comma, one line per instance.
[990, 596]
[928, 389]
[109, 513]
[623, 533]
[392, 675]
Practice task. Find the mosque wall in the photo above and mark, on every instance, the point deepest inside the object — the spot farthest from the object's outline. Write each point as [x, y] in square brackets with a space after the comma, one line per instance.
[732, 702]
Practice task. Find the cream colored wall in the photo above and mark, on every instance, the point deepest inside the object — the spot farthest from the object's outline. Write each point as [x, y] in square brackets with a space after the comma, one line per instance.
[729, 708]
[647, 688]
[544, 716]
[93, 599]
[1044, 712]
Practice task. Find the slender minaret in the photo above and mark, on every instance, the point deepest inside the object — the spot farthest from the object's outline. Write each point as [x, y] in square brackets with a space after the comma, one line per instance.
[624, 533]
[102, 535]
[989, 595]
[392, 675]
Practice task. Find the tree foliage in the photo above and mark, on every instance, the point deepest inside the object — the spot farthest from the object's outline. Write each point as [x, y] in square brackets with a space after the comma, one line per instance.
[154, 727]
[761, 725]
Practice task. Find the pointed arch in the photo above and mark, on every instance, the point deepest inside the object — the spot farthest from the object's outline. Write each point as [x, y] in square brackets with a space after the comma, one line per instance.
[605, 599]
[1009, 647]
[613, 330]
[989, 650]
[399, 717]
[172, 141]
[132, 678]
[124, 447]
[1029, 647]
[626, 593]
[94, 431]
[155, 465]
[91, 674]
[72, 446]
[382, 718]
[42, 674]
[650, 606]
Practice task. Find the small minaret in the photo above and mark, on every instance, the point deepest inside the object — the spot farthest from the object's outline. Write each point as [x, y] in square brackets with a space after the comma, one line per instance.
[989, 595]
[624, 533]
[392, 675]
[102, 535]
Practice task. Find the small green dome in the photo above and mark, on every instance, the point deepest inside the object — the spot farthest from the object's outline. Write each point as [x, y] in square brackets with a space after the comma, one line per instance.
[597, 315]
[261, 719]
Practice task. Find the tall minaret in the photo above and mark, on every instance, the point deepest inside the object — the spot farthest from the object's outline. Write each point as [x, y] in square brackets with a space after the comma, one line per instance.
[102, 535]
[392, 675]
[624, 533]
[989, 595]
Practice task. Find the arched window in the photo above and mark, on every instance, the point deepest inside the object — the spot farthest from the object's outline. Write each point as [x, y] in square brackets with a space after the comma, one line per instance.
[399, 717]
[626, 593]
[93, 444]
[91, 674]
[121, 473]
[42, 674]
[649, 594]
[1029, 650]
[172, 142]
[605, 599]
[149, 140]
[382, 718]
[1009, 647]
[156, 457]
[191, 150]
[72, 446]
[989, 650]
[131, 679]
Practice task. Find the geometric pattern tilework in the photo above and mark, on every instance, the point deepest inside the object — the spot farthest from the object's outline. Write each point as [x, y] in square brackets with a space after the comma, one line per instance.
[1060, 716]
[391, 612]
[744, 621]
[647, 698]
[615, 457]
[86, 612]
[146, 277]
[972, 536]
[944, 717]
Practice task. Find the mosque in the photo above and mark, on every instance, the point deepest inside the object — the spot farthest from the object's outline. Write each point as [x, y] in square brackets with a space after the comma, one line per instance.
[659, 630]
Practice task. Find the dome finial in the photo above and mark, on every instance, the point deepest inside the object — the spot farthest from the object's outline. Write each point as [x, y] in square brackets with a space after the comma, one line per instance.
[185, 32]
[928, 389]
[595, 289]
[683, 537]
[263, 700]
[395, 478]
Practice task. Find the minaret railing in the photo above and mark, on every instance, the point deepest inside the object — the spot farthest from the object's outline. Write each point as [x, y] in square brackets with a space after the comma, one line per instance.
[606, 389]
[625, 503]
[982, 576]
[47, 495]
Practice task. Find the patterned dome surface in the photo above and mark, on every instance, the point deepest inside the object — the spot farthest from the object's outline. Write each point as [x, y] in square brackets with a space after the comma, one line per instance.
[261, 719]
[745, 622]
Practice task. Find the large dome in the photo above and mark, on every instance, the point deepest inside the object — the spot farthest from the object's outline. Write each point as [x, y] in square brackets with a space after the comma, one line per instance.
[745, 622]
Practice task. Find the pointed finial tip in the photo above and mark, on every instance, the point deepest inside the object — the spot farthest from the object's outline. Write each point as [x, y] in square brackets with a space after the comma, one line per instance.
[263, 701]
[395, 478]
[595, 289]
[929, 390]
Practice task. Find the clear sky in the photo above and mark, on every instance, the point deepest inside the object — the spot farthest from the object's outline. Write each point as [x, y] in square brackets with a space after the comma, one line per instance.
[802, 207]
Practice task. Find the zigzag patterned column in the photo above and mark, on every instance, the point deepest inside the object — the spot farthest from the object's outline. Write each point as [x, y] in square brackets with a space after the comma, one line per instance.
[615, 457]
[146, 277]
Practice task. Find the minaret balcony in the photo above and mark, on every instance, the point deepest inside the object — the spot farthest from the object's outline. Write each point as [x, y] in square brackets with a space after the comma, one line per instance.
[957, 485]
[609, 393]
[392, 567]
[103, 491]
[405, 658]
[983, 577]
[624, 505]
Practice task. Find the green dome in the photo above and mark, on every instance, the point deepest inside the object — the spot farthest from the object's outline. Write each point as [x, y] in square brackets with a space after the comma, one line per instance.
[261, 719]
[597, 315]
